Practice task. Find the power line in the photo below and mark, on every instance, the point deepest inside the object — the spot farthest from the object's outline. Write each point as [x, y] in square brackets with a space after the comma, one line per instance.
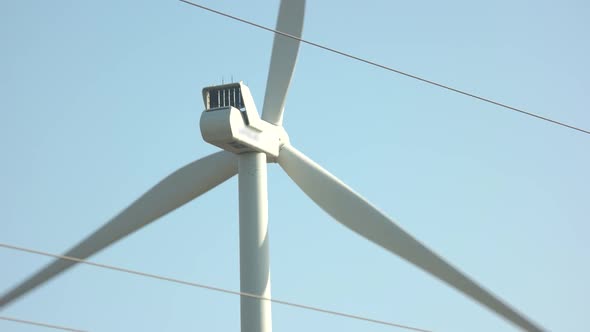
[30, 322]
[213, 288]
[397, 71]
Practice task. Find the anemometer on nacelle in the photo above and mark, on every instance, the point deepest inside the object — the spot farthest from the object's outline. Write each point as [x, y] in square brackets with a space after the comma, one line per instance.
[230, 121]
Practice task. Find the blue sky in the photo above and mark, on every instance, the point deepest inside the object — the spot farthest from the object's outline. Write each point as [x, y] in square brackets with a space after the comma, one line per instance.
[100, 100]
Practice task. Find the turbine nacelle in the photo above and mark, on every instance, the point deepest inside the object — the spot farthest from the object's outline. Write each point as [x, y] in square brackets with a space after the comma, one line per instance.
[231, 121]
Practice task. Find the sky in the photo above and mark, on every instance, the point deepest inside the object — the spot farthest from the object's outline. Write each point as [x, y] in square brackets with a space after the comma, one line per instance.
[100, 100]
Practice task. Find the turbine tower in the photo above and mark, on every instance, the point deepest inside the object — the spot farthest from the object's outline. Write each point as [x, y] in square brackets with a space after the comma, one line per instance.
[250, 141]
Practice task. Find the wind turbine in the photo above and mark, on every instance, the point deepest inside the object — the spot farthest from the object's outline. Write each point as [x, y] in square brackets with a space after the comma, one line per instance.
[231, 121]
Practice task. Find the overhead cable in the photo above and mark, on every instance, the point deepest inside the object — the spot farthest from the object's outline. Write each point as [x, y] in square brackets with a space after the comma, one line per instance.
[397, 71]
[213, 288]
[30, 322]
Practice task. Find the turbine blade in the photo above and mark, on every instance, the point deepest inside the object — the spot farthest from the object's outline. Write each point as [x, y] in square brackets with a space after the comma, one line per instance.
[283, 59]
[175, 190]
[354, 212]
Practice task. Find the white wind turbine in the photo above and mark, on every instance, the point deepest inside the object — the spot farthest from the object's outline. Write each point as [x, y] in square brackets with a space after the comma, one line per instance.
[231, 121]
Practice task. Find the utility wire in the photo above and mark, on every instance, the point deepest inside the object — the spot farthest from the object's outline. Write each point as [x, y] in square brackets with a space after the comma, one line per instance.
[397, 71]
[213, 288]
[30, 322]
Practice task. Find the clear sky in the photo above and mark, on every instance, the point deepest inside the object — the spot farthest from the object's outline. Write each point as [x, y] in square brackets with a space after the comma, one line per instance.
[99, 100]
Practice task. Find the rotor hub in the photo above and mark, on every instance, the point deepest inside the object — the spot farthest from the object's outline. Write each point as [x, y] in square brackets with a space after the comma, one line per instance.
[231, 121]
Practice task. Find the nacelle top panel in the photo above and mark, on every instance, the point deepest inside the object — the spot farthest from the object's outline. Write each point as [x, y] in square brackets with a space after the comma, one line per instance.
[223, 96]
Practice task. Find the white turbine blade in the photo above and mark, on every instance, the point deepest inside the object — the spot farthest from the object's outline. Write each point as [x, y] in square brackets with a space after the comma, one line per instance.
[354, 212]
[175, 190]
[283, 59]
